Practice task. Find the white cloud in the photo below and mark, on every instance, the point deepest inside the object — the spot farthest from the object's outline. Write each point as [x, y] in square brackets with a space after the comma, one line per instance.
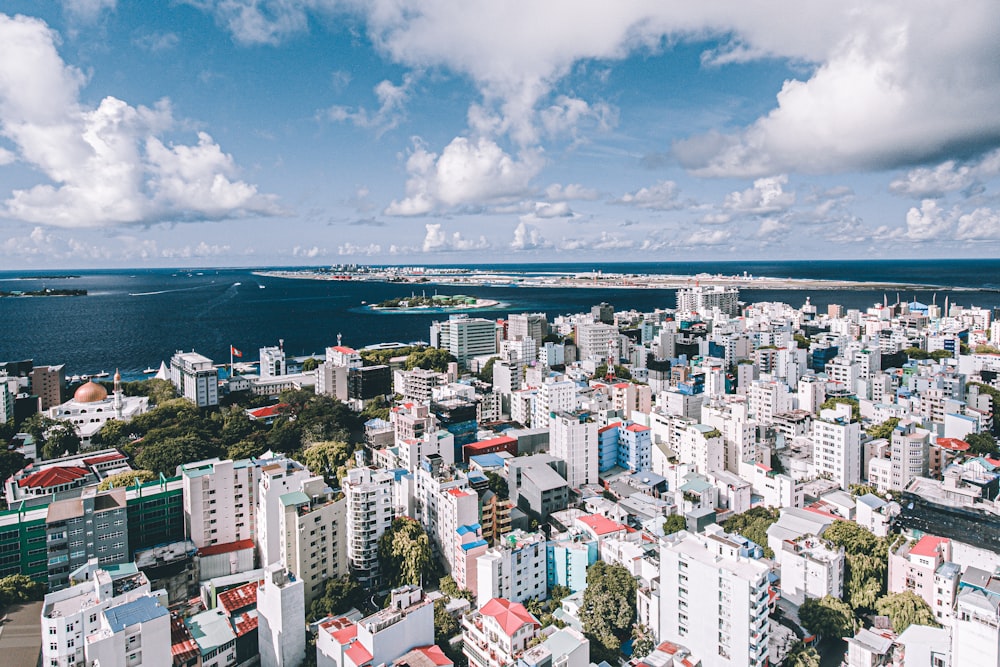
[544, 210]
[929, 222]
[202, 249]
[557, 192]
[566, 114]
[528, 237]
[156, 42]
[707, 237]
[308, 253]
[87, 10]
[106, 164]
[980, 224]
[352, 249]
[438, 240]
[949, 176]
[391, 112]
[889, 84]
[771, 226]
[766, 196]
[466, 173]
[661, 197]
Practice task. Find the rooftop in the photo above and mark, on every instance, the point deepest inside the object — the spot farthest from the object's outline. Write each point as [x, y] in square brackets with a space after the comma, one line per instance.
[510, 615]
[142, 610]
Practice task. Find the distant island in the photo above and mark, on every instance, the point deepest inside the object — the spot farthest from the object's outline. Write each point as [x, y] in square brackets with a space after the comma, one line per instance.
[45, 292]
[437, 301]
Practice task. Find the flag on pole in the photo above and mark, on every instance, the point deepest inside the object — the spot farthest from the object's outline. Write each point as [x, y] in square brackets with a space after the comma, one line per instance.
[233, 351]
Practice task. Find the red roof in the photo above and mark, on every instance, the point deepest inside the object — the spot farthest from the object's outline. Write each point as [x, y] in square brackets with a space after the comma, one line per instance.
[511, 616]
[601, 525]
[343, 349]
[246, 623]
[237, 598]
[609, 427]
[96, 460]
[929, 546]
[954, 444]
[435, 655]
[637, 428]
[343, 629]
[215, 549]
[358, 654]
[492, 442]
[54, 476]
[268, 411]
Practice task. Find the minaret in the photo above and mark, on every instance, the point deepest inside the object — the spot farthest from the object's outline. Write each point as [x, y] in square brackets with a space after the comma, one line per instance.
[118, 395]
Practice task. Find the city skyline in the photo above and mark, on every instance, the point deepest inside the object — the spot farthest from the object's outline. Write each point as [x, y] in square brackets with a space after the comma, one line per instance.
[311, 132]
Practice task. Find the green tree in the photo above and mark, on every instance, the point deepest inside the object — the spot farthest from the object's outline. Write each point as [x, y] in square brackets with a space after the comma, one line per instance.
[236, 425]
[674, 523]
[285, 435]
[939, 355]
[608, 610]
[827, 617]
[801, 341]
[126, 479]
[621, 372]
[310, 364]
[916, 353]
[60, 440]
[498, 485]
[445, 625]
[557, 594]
[404, 552]
[325, 458]
[753, 525]
[486, 372]
[340, 595]
[801, 655]
[164, 456]
[906, 609]
[11, 463]
[986, 349]
[885, 429]
[982, 444]
[831, 403]
[642, 644]
[429, 358]
[867, 562]
[448, 586]
[252, 447]
[17, 588]
[111, 434]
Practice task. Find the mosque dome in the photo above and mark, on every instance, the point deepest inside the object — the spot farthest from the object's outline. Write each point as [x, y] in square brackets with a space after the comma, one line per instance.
[91, 392]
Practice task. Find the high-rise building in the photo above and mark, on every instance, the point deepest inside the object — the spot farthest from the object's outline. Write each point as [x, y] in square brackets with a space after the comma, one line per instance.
[277, 477]
[47, 383]
[706, 298]
[837, 446]
[195, 378]
[516, 569]
[521, 326]
[369, 514]
[593, 340]
[573, 438]
[281, 607]
[910, 453]
[219, 500]
[93, 525]
[465, 337]
[314, 536]
[714, 598]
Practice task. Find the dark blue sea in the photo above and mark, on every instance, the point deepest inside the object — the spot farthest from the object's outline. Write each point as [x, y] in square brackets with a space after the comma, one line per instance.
[132, 319]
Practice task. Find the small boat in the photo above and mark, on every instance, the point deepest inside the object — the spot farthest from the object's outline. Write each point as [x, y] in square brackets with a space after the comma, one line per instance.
[74, 378]
[102, 374]
[237, 284]
[149, 371]
[260, 286]
[364, 303]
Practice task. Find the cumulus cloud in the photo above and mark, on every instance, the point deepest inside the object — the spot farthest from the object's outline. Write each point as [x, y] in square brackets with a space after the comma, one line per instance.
[308, 253]
[886, 85]
[528, 237]
[352, 249]
[106, 165]
[661, 197]
[87, 10]
[932, 222]
[557, 192]
[766, 196]
[949, 176]
[156, 42]
[438, 240]
[707, 237]
[465, 173]
[391, 112]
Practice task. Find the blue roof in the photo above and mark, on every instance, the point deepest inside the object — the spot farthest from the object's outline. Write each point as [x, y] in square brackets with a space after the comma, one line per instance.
[491, 460]
[470, 528]
[475, 475]
[143, 610]
[473, 545]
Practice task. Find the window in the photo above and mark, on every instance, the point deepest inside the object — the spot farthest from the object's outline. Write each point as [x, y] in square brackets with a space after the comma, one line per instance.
[52, 630]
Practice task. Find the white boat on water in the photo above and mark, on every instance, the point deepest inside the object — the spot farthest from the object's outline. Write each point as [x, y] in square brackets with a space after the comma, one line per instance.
[102, 374]
[149, 371]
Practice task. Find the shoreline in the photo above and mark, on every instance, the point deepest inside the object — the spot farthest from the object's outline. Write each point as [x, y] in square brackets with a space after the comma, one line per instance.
[475, 278]
[481, 304]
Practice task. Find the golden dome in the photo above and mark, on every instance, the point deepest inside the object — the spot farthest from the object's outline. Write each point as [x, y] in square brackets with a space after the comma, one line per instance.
[91, 392]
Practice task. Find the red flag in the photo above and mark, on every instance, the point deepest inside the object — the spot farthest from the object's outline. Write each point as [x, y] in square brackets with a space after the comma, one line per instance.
[233, 351]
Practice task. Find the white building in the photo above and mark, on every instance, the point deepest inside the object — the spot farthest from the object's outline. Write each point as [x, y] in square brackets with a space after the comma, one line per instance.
[703, 447]
[494, 635]
[370, 512]
[837, 446]
[281, 610]
[114, 619]
[715, 599]
[810, 569]
[554, 395]
[521, 326]
[91, 408]
[195, 378]
[516, 569]
[573, 438]
[975, 633]
[314, 536]
[465, 337]
[272, 361]
[910, 453]
[219, 500]
[593, 340]
[706, 298]
[277, 477]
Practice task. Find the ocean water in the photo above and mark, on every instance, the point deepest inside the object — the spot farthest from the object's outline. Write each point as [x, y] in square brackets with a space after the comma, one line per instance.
[132, 319]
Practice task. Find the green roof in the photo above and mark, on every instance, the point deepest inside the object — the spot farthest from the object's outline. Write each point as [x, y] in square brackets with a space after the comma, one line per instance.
[293, 498]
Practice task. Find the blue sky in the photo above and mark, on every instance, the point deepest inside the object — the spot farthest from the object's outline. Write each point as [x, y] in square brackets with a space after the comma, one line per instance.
[281, 132]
